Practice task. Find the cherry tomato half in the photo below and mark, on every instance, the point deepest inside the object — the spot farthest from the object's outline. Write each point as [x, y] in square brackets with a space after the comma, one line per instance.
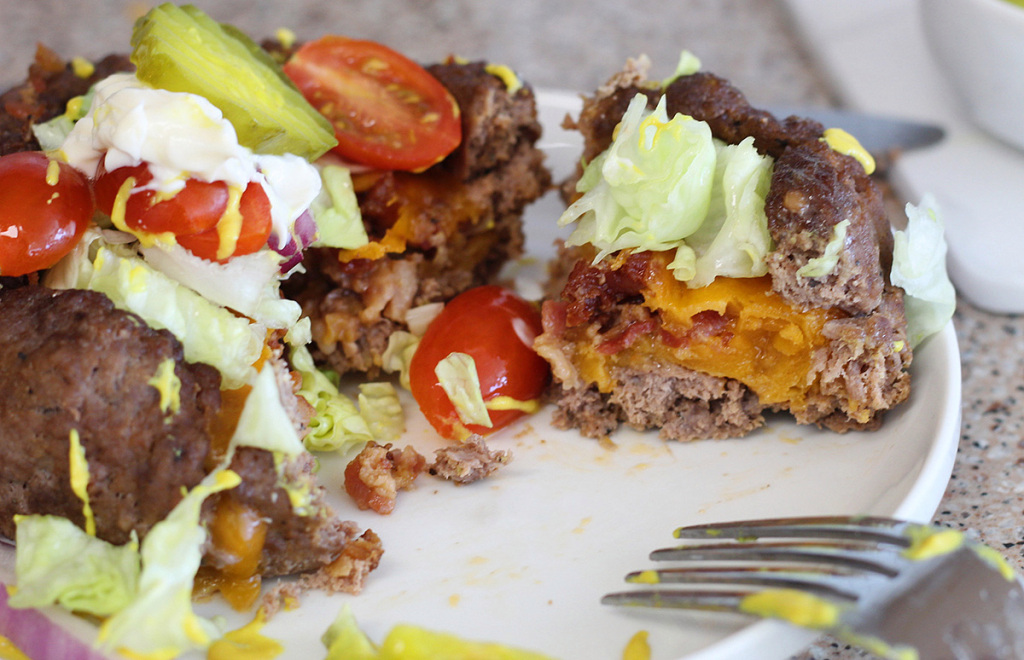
[191, 214]
[496, 328]
[256, 225]
[195, 208]
[388, 112]
[44, 208]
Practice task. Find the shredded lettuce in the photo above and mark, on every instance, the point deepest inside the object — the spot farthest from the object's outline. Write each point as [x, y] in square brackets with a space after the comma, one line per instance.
[208, 332]
[650, 189]
[397, 356]
[457, 376]
[248, 284]
[380, 407]
[688, 65]
[826, 263]
[160, 620]
[264, 423]
[919, 268]
[733, 240]
[337, 424]
[336, 211]
[669, 185]
[345, 640]
[57, 562]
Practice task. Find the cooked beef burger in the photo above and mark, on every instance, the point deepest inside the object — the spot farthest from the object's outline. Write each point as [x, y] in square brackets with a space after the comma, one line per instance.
[435, 233]
[70, 362]
[699, 338]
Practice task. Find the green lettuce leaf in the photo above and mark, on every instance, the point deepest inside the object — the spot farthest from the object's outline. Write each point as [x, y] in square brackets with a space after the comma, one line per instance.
[160, 619]
[457, 376]
[264, 423]
[650, 189]
[208, 332]
[826, 263]
[919, 268]
[733, 240]
[337, 424]
[380, 407]
[339, 223]
[57, 562]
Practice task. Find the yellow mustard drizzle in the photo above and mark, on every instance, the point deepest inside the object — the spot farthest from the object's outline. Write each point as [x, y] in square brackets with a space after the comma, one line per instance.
[82, 67]
[79, 468]
[841, 141]
[996, 560]
[168, 385]
[638, 648]
[246, 643]
[117, 215]
[512, 82]
[646, 577]
[229, 227]
[8, 651]
[927, 542]
[502, 402]
[52, 173]
[791, 605]
[285, 36]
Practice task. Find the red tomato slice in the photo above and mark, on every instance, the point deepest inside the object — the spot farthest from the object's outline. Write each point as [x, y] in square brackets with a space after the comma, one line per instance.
[195, 208]
[41, 217]
[496, 328]
[388, 112]
[256, 225]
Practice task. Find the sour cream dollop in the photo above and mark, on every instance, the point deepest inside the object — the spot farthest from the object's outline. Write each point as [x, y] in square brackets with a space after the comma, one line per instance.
[180, 136]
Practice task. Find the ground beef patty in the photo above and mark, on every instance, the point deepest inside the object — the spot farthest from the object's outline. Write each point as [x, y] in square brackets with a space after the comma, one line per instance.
[459, 222]
[70, 361]
[857, 362]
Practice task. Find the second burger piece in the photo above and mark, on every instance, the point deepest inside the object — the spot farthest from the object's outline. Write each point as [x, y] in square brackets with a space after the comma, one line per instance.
[782, 303]
[433, 234]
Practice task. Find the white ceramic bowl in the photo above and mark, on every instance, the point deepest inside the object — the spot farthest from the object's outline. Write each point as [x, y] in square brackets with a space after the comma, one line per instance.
[979, 46]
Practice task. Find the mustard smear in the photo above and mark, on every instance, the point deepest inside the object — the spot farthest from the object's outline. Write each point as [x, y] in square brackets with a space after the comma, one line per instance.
[168, 385]
[246, 643]
[638, 648]
[996, 560]
[79, 469]
[502, 402]
[512, 82]
[927, 542]
[844, 143]
[791, 605]
[8, 651]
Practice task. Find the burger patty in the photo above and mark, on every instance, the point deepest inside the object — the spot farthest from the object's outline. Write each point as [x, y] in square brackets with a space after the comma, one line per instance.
[71, 362]
[460, 222]
[856, 365]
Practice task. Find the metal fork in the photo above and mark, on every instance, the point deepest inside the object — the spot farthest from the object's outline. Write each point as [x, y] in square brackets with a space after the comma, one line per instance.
[895, 588]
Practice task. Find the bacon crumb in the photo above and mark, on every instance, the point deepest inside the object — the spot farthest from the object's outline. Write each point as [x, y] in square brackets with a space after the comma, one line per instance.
[374, 477]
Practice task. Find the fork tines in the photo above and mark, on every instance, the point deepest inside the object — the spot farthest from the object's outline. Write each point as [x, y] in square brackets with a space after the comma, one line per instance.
[829, 557]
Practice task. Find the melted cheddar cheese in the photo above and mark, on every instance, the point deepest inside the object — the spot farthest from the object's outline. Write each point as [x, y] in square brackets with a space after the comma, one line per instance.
[733, 328]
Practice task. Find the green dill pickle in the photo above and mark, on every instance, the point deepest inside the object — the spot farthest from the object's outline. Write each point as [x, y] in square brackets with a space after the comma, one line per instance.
[181, 49]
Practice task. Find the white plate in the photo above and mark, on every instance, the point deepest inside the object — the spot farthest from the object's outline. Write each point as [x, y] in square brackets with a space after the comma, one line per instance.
[524, 557]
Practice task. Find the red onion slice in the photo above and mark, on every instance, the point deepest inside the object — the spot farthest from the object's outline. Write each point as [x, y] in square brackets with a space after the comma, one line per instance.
[40, 638]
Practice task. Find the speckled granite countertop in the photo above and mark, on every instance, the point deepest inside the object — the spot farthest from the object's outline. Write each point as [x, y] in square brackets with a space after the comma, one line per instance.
[575, 44]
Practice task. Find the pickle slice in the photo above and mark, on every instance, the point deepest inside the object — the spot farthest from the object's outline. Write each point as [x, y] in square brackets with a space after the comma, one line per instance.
[181, 49]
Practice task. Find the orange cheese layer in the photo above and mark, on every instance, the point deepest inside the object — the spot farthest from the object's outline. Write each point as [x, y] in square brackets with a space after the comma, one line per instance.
[412, 207]
[732, 328]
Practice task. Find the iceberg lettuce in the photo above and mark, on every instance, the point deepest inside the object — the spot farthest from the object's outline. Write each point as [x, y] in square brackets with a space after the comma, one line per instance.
[57, 562]
[336, 211]
[160, 621]
[669, 185]
[337, 424]
[650, 189]
[733, 240]
[919, 268]
[209, 333]
[457, 376]
[263, 422]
